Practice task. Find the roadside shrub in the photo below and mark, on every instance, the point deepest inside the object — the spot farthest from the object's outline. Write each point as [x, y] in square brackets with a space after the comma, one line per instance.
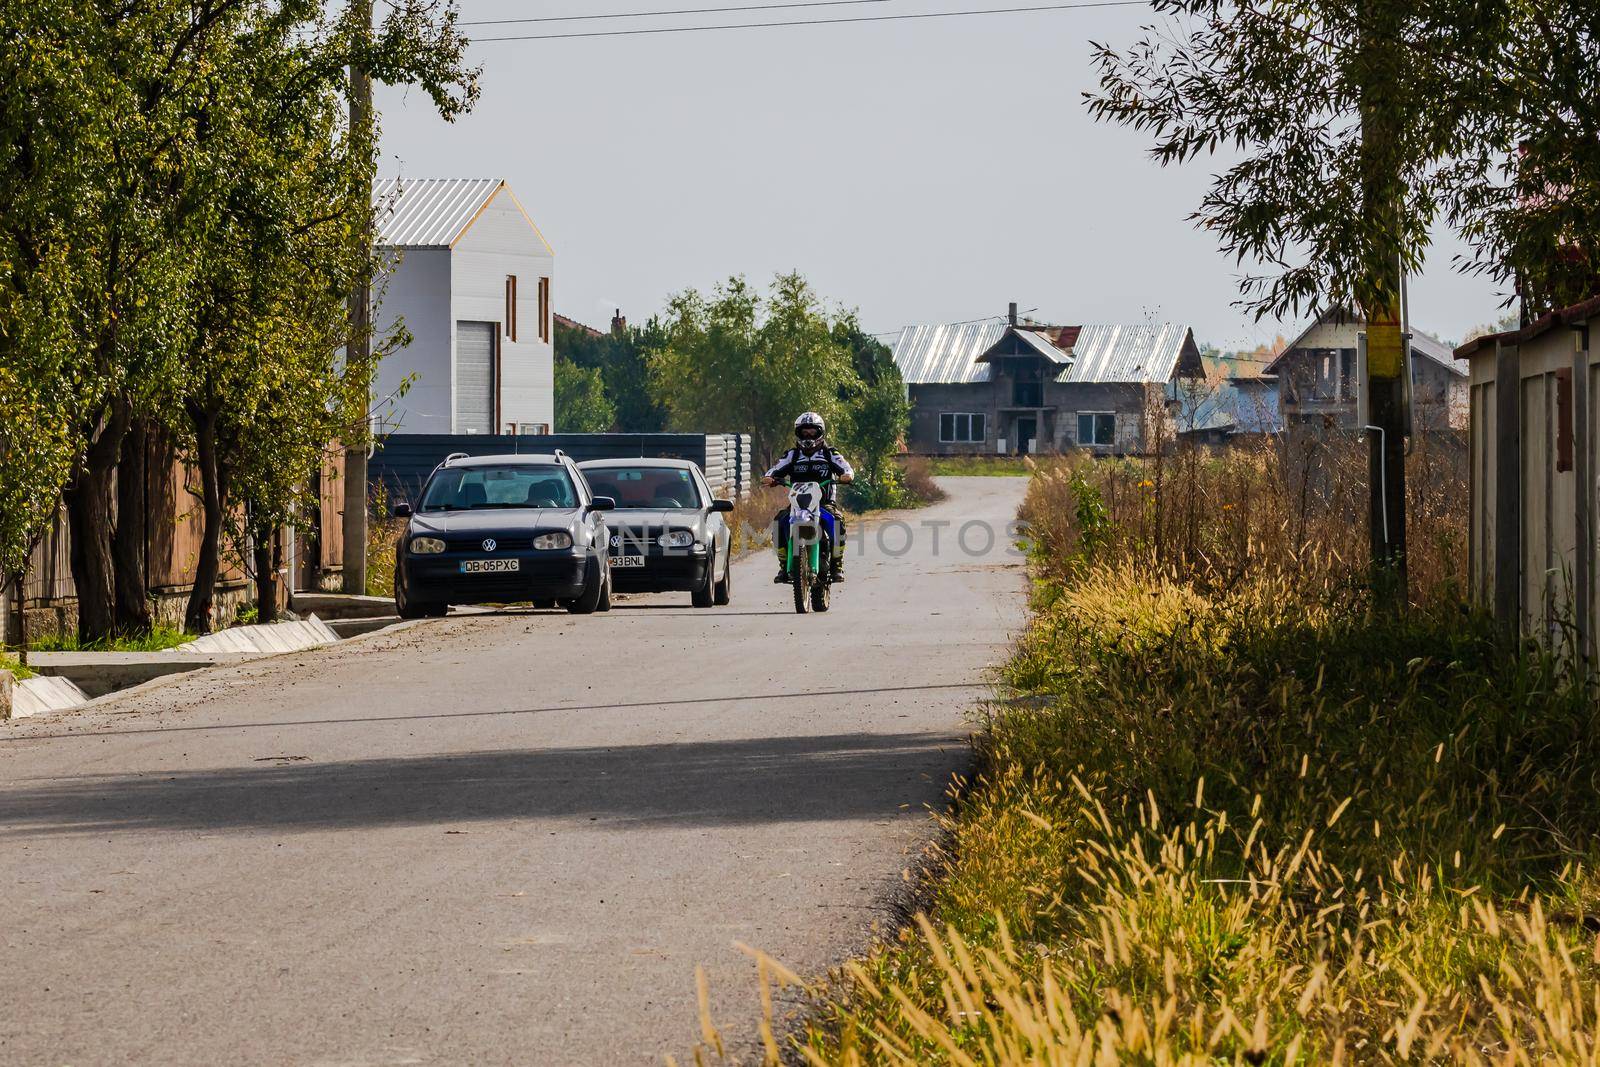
[917, 475]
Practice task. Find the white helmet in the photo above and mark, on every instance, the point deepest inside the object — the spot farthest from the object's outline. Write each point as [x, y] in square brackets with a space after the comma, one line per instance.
[808, 431]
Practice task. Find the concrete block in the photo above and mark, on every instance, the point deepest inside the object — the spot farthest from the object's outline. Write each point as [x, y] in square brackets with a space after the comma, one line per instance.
[35, 696]
[347, 628]
[99, 673]
[341, 606]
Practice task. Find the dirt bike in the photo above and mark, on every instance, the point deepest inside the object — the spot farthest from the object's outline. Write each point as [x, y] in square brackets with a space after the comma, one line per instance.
[810, 556]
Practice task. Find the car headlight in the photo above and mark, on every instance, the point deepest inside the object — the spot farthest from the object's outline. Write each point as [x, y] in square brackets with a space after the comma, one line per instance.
[677, 539]
[559, 539]
[426, 546]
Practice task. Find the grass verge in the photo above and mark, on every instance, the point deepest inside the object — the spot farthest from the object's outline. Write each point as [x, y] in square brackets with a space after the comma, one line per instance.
[994, 466]
[161, 637]
[1228, 811]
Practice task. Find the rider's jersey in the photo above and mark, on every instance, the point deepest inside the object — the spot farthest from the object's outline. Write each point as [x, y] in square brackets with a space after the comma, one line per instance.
[823, 464]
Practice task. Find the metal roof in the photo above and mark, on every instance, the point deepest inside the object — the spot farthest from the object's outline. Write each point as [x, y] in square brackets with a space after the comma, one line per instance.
[1423, 344]
[1126, 353]
[1041, 344]
[946, 354]
[949, 354]
[429, 212]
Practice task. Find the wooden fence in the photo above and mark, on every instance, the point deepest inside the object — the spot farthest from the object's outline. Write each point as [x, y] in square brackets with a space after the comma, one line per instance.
[171, 533]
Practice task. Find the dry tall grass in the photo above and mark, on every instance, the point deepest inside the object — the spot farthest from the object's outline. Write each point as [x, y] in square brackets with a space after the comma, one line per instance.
[1227, 812]
[1295, 505]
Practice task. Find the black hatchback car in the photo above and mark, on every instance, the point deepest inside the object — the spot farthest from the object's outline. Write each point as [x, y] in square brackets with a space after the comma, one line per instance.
[503, 529]
[667, 531]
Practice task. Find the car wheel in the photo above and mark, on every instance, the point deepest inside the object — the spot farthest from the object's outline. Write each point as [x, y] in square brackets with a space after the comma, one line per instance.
[407, 608]
[588, 601]
[706, 594]
[724, 589]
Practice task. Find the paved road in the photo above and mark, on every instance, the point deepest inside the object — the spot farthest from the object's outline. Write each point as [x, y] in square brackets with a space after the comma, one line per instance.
[496, 838]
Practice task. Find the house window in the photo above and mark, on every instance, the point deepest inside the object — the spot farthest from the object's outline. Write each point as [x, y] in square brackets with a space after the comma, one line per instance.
[511, 307]
[961, 427]
[544, 309]
[1324, 385]
[1097, 428]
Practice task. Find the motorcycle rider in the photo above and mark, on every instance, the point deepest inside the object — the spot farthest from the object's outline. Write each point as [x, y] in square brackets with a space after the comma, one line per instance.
[811, 459]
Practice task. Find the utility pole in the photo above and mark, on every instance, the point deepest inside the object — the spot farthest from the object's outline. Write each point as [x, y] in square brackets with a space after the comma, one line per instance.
[1378, 295]
[358, 351]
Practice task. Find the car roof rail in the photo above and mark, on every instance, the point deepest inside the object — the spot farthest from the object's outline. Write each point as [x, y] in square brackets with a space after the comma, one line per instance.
[452, 457]
[560, 454]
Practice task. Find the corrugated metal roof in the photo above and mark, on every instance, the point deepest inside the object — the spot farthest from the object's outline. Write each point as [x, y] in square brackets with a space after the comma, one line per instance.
[949, 354]
[1125, 353]
[429, 212]
[1041, 344]
[1425, 344]
[946, 354]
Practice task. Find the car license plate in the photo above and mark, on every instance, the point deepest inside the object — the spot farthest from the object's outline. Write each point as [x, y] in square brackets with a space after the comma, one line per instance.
[627, 561]
[490, 566]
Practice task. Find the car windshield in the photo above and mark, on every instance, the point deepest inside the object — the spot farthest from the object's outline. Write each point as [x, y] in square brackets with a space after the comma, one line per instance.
[519, 485]
[645, 487]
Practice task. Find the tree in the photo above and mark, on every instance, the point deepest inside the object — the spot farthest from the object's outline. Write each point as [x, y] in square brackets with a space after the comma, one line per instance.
[1525, 187]
[876, 414]
[281, 245]
[1489, 117]
[581, 402]
[621, 357]
[1353, 119]
[874, 426]
[118, 124]
[739, 363]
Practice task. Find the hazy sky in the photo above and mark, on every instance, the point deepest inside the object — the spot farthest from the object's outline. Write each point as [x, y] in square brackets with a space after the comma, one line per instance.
[925, 171]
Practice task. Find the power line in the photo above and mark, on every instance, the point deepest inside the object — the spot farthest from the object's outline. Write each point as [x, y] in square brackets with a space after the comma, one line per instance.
[679, 11]
[819, 22]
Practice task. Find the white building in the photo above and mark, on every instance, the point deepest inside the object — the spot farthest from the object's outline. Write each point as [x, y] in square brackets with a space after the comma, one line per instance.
[472, 286]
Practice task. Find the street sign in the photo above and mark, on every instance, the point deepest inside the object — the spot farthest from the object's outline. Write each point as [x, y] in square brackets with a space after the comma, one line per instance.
[1385, 343]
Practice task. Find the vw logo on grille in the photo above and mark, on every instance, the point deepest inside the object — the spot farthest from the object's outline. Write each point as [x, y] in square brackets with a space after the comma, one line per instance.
[616, 540]
[488, 544]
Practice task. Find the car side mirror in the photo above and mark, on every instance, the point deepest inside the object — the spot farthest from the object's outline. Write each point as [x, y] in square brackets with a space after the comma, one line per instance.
[401, 510]
[603, 503]
[721, 505]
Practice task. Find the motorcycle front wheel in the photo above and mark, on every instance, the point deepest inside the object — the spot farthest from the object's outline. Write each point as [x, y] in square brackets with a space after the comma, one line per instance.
[802, 581]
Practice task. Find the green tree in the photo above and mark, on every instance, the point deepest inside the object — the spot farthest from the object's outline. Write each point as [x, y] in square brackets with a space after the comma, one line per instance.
[622, 358]
[738, 363]
[581, 402]
[1362, 125]
[117, 126]
[875, 424]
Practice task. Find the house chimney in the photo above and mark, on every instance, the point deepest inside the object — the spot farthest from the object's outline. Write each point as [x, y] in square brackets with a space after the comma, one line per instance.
[1011, 313]
[618, 323]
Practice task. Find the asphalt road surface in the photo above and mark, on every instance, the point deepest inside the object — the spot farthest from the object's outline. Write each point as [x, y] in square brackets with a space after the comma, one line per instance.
[497, 838]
